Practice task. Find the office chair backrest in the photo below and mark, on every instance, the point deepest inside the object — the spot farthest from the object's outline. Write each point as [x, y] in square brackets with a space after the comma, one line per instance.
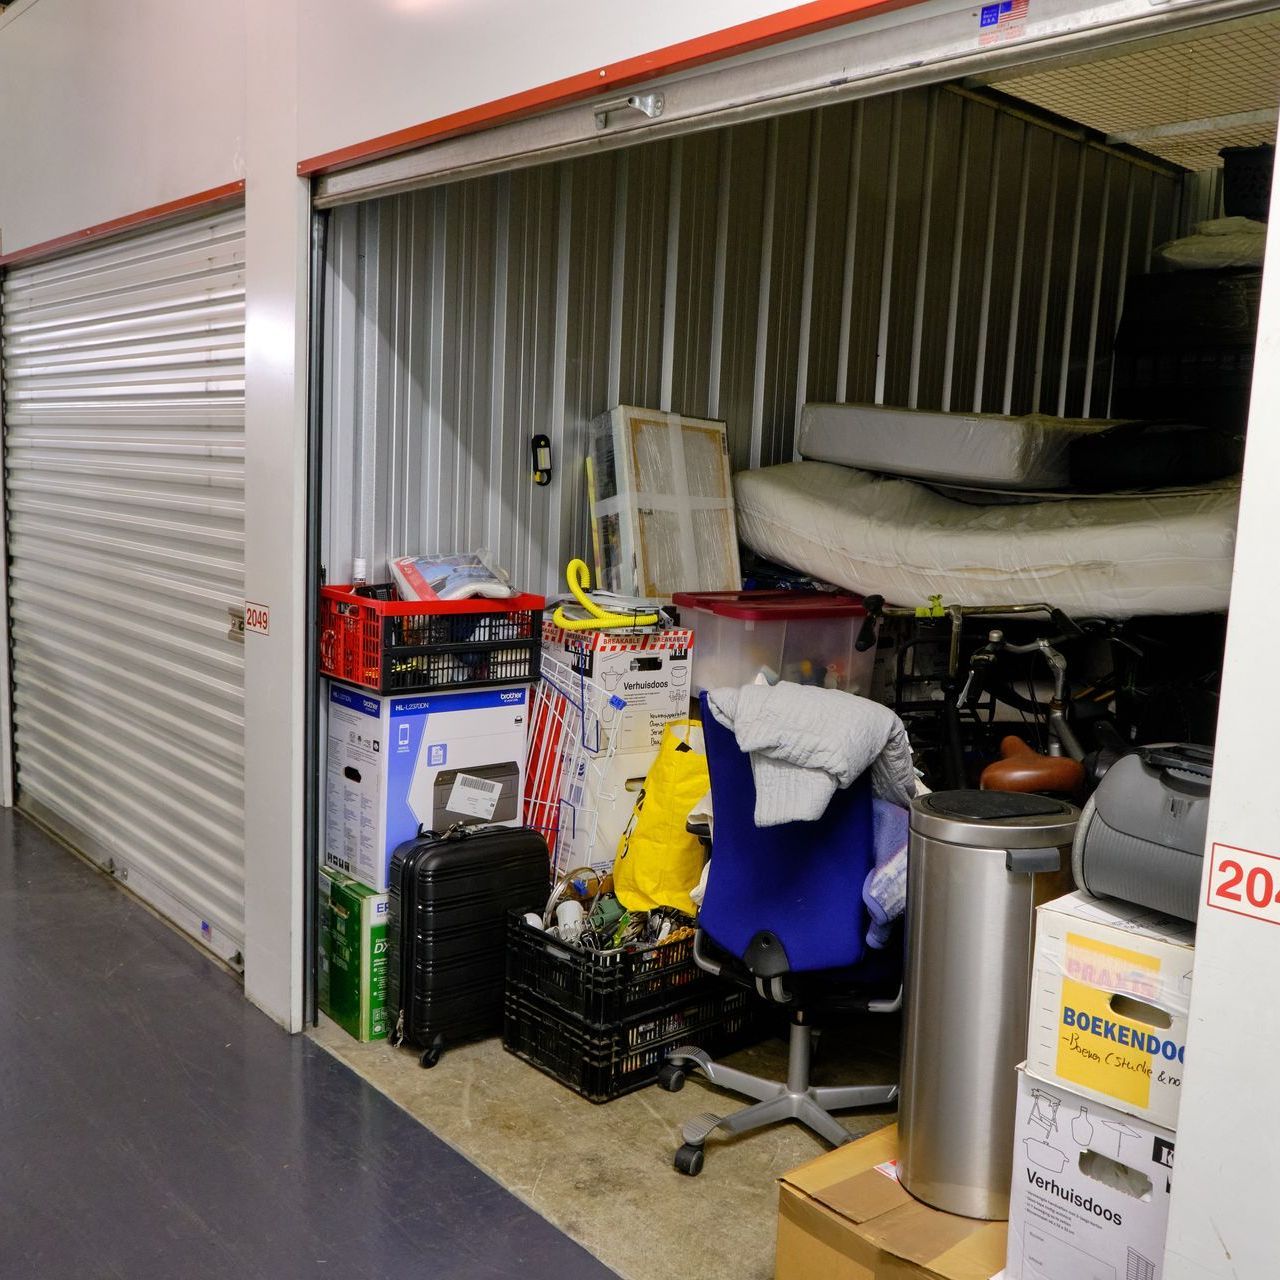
[797, 886]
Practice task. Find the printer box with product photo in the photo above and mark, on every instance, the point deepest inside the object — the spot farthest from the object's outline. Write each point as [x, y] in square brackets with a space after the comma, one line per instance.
[398, 764]
[1111, 985]
[1091, 1188]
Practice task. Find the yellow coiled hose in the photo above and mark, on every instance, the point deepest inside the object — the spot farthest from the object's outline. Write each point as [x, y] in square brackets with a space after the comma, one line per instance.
[578, 576]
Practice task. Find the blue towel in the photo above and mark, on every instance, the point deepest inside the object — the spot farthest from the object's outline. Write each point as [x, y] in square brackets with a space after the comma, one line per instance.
[885, 888]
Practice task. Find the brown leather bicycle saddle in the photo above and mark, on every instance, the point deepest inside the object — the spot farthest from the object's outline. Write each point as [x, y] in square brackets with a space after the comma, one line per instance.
[1022, 768]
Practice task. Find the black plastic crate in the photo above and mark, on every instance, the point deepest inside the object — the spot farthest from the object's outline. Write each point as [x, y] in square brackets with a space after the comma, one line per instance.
[605, 1063]
[371, 638]
[601, 987]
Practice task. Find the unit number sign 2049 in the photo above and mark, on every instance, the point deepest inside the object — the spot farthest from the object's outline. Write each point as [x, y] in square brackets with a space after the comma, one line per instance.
[1244, 882]
[257, 617]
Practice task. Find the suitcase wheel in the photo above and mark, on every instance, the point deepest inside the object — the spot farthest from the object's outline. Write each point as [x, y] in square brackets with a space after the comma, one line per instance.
[431, 1054]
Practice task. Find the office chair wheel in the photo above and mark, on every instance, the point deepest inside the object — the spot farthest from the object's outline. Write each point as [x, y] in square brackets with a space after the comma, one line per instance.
[431, 1054]
[689, 1160]
[671, 1077]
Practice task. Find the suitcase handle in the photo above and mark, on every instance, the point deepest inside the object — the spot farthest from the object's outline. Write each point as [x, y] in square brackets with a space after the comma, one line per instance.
[459, 831]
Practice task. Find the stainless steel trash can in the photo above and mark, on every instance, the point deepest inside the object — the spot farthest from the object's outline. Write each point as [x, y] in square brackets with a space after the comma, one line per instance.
[980, 862]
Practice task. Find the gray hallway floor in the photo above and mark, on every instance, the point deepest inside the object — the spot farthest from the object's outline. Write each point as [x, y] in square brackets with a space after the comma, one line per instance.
[154, 1124]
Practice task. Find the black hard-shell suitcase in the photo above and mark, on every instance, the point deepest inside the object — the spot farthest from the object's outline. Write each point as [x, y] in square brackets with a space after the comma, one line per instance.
[449, 899]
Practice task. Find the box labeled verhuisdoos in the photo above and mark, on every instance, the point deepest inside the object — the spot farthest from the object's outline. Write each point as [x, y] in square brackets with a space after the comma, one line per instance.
[1109, 998]
[1091, 1187]
[397, 764]
[646, 671]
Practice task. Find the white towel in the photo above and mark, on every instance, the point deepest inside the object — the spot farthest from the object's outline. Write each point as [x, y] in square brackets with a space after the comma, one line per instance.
[805, 742]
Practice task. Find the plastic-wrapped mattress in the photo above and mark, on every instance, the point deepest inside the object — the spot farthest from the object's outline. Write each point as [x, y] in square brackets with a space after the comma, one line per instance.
[1159, 553]
[975, 450]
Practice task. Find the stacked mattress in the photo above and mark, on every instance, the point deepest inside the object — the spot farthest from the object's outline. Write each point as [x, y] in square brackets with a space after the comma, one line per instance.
[985, 450]
[1033, 452]
[1115, 556]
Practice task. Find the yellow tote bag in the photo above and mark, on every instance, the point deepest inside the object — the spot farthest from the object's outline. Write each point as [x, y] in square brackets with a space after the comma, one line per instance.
[658, 861]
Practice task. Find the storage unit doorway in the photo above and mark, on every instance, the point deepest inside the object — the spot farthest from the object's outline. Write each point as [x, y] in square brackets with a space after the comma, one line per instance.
[124, 486]
[966, 244]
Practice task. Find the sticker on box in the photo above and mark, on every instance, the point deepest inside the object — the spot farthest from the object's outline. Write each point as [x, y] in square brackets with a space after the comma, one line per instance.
[1111, 987]
[477, 797]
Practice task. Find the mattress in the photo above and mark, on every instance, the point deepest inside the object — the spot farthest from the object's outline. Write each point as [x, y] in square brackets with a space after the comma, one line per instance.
[1115, 557]
[974, 450]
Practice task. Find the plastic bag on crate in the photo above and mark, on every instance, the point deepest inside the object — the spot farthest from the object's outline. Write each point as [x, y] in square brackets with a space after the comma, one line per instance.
[450, 577]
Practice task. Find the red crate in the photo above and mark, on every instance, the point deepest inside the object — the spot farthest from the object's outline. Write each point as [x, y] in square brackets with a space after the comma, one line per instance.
[371, 638]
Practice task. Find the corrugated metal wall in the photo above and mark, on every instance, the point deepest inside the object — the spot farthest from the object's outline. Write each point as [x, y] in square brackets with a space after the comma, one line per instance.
[124, 451]
[924, 249]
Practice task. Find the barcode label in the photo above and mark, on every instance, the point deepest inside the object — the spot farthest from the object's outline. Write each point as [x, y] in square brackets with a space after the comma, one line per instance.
[474, 797]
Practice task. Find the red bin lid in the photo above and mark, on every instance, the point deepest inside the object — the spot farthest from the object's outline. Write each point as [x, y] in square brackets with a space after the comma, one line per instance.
[773, 606]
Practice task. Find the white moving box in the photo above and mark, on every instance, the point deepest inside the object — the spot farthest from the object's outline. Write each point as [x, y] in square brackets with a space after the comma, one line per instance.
[650, 669]
[1109, 997]
[404, 761]
[1091, 1187]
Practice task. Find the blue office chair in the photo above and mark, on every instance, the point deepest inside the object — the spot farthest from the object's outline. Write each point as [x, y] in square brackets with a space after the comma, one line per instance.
[783, 914]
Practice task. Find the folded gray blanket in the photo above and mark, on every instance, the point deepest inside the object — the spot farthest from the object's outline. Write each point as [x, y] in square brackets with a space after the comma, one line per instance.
[805, 742]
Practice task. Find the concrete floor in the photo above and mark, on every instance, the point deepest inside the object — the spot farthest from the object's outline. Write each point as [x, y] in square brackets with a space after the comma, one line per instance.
[154, 1124]
[603, 1174]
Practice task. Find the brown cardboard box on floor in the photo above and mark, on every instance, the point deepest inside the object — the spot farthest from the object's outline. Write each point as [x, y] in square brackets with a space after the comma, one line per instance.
[842, 1218]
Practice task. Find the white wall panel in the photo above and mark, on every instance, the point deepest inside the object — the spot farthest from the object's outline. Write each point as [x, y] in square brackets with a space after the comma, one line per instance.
[887, 249]
[374, 68]
[124, 449]
[1227, 1185]
[108, 109]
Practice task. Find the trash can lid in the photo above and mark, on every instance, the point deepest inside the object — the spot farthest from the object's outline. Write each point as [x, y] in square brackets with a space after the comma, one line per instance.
[1000, 819]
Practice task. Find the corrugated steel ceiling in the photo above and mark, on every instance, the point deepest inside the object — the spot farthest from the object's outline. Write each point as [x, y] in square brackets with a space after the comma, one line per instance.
[1227, 71]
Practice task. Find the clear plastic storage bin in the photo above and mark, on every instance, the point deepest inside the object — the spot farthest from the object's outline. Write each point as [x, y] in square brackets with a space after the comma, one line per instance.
[805, 637]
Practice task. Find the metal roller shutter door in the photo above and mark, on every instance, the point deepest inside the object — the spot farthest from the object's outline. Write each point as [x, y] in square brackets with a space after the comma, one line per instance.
[124, 472]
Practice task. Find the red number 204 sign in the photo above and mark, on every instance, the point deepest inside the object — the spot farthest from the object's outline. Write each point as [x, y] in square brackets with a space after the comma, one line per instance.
[1244, 882]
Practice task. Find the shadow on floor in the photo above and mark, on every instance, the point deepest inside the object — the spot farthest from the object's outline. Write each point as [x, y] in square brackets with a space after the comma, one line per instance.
[154, 1124]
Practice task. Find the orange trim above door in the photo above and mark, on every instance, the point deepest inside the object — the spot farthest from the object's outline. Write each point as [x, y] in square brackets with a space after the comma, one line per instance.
[226, 194]
[799, 20]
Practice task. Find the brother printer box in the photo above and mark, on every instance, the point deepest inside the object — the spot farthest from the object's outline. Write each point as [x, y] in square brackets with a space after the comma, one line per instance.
[402, 762]
[1091, 1187]
[1110, 989]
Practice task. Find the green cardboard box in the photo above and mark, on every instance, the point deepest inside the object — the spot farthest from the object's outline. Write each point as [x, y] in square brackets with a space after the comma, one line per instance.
[352, 985]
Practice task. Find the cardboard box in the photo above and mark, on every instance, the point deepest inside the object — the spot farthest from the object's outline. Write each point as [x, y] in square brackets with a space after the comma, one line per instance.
[1091, 1189]
[844, 1216]
[352, 980]
[1109, 997]
[650, 669]
[398, 763]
